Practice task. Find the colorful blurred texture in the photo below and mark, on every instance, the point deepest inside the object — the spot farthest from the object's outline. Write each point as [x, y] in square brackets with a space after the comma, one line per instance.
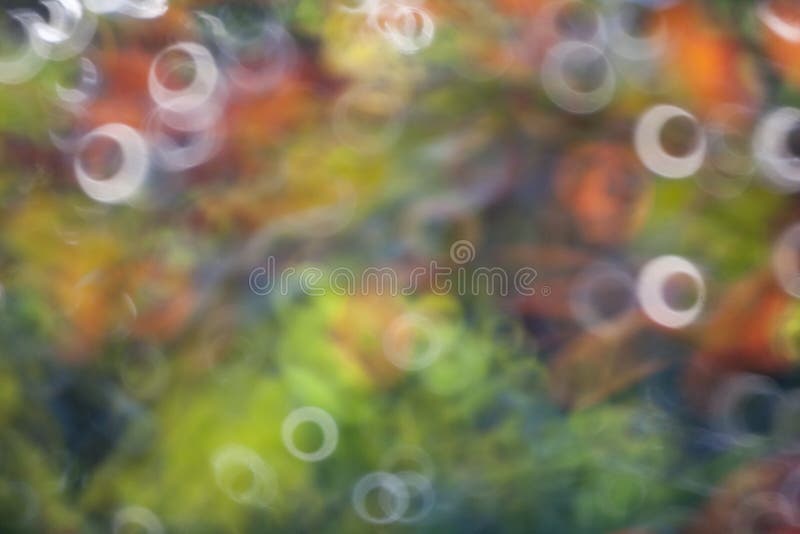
[165, 165]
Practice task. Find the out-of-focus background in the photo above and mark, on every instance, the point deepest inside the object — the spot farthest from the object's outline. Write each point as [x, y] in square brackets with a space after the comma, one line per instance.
[399, 266]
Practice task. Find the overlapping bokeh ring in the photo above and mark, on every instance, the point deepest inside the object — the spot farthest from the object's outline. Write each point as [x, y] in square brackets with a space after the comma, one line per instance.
[650, 288]
[405, 25]
[319, 417]
[583, 298]
[130, 176]
[68, 31]
[409, 28]
[730, 168]
[277, 55]
[199, 90]
[86, 87]
[68, 132]
[649, 147]
[26, 61]
[385, 482]
[418, 486]
[406, 326]
[179, 149]
[771, 148]
[560, 90]
[731, 397]
[629, 45]
[263, 489]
